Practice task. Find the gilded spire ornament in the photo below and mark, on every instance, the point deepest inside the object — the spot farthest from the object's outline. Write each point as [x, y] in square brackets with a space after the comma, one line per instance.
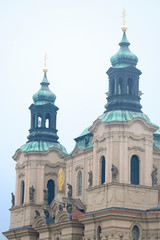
[124, 28]
[45, 60]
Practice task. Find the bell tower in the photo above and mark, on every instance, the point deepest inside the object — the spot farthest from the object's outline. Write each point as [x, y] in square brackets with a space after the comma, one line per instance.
[43, 114]
[124, 91]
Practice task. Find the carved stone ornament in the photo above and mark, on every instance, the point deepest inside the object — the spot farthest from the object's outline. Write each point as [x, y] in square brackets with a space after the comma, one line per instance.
[31, 193]
[13, 199]
[154, 176]
[69, 190]
[90, 179]
[114, 170]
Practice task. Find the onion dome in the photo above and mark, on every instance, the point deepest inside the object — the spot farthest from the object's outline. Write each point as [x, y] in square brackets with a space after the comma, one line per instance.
[44, 95]
[124, 57]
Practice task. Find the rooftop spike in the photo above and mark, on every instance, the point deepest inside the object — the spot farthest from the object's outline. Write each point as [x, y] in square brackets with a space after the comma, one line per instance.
[124, 28]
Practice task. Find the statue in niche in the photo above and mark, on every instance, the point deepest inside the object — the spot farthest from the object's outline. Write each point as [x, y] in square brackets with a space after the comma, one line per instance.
[69, 190]
[114, 170]
[154, 176]
[37, 213]
[69, 207]
[90, 178]
[46, 213]
[31, 193]
[13, 199]
[45, 195]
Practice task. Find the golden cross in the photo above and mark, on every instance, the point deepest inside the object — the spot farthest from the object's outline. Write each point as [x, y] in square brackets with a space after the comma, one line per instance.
[124, 28]
[45, 59]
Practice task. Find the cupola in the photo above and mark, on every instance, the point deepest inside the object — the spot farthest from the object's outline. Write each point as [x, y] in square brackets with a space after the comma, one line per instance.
[43, 114]
[123, 76]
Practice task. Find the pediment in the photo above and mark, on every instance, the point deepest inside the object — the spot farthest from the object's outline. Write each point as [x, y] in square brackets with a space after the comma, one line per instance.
[77, 151]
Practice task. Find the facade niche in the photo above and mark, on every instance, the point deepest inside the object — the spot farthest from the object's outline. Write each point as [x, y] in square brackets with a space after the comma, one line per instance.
[79, 183]
[103, 164]
[134, 170]
[22, 192]
[135, 233]
[99, 231]
[51, 190]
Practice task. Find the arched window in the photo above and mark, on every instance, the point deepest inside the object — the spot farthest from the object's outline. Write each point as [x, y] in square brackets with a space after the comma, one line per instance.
[134, 170]
[120, 86]
[130, 86]
[113, 87]
[99, 231]
[51, 190]
[79, 183]
[39, 121]
[22, 192]
[135, 233]
[47, 124]
[103, 169]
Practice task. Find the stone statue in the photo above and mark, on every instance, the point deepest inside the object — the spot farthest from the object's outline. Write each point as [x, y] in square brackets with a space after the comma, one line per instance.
[31, 193]
[90, 178]
[154, 176]
[69, 207]
[37, 213]
[13, 199]
[114, 170]
[45, 195]
[60, 208]
[46, 213]
[69, 190]
[60, 179]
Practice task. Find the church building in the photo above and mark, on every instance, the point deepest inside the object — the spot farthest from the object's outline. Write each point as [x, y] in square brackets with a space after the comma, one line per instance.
[107, 188]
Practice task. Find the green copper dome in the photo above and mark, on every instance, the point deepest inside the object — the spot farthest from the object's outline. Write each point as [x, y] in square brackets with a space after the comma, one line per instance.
[124, 57]
[44, 95]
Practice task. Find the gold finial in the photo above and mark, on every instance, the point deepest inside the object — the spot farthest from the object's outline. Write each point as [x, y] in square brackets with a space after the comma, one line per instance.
[124, 28]
[45, 59]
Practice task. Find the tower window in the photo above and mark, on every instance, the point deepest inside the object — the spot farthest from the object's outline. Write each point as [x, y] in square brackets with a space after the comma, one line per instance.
[22, 192]
[39, 121]
[51, 190]
[47, 123]
[79, 183]
[130, 86]
[134, 170]
[120, 86]
[103, 169]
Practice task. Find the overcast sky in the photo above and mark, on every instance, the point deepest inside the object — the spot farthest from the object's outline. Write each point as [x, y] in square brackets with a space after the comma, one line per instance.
[79, 37]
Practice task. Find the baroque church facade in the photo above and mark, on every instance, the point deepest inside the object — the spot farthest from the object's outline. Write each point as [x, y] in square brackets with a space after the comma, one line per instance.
[108, 187]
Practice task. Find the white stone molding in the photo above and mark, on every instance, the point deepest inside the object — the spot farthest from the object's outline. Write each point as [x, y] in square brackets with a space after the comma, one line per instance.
[51, 174]
[62, 217]
[78, 167]
[21, 175]
[39, 222]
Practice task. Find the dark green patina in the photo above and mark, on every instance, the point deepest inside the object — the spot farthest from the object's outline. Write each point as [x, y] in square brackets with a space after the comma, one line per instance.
[43, 115]
[123, 80]
[43, 132]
